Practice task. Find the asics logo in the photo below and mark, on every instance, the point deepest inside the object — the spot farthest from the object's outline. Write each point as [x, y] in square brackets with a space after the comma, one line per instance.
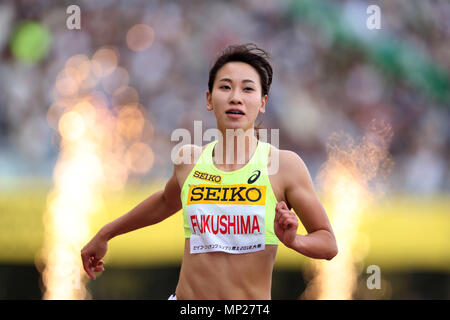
[254, 177]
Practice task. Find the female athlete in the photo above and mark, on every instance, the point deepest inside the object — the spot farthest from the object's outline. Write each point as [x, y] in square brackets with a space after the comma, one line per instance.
[235, 211]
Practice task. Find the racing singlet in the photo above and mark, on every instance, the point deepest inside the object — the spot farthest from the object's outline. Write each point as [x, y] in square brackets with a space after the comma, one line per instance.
[231, 211]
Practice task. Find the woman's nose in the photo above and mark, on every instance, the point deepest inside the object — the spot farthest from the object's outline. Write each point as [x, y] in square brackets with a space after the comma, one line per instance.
[236, 97]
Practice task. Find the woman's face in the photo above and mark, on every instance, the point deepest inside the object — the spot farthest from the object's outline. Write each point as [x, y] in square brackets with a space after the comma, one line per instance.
[236, 86]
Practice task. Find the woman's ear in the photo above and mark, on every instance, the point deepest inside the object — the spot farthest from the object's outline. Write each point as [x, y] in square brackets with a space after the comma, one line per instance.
[262, 109]
[208, 101]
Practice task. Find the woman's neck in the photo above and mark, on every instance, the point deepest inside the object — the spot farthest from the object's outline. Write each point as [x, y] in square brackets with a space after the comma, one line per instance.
[234, 148]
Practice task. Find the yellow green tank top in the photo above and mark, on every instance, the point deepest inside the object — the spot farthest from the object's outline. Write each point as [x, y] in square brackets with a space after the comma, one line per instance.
[229, 211]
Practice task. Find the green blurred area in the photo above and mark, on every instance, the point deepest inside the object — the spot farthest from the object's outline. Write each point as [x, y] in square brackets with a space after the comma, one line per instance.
[397, 58]
[30, 41]
[399, 233]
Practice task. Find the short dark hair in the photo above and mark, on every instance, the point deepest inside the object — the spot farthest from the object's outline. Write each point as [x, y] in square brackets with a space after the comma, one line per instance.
[250, 54]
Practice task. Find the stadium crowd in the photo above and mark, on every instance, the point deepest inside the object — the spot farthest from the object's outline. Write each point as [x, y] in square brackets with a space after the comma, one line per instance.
[322, 84]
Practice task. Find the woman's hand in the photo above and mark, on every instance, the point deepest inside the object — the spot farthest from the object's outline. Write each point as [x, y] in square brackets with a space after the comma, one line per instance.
[92, 253]
[285, 224]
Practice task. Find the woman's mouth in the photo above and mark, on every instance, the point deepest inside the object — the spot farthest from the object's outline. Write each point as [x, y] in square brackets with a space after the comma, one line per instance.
[235, 114]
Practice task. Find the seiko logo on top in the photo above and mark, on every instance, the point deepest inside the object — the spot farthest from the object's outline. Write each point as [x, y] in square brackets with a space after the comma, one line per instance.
[227, 194]
[207, 176]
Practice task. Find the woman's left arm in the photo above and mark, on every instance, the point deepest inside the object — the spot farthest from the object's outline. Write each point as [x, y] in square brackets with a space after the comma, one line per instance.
[320, 242]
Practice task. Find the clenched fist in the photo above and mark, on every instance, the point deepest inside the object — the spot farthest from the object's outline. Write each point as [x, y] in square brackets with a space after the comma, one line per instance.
[285, 224]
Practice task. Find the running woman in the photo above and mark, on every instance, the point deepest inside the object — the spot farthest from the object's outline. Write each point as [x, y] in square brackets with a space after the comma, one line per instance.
[236, 211]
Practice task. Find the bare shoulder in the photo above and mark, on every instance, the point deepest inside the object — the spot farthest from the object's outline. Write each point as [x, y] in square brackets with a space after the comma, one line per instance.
[185, 159]
[289, 162]
[187, 154]
[289, 170]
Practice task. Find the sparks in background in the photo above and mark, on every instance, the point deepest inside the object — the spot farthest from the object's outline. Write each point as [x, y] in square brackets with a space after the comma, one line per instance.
[103, 139]
[348, 183]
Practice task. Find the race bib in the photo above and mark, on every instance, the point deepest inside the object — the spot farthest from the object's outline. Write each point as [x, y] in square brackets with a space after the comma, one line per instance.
[228, 218]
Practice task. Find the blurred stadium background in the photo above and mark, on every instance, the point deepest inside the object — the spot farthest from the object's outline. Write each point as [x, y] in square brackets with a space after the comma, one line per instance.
[86, 118]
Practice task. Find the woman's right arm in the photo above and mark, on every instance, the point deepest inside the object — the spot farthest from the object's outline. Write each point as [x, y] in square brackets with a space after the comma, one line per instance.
[154, 209]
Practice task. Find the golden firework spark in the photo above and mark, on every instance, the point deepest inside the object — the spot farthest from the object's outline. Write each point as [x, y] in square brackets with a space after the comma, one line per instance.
[347, 181]
[100, 146]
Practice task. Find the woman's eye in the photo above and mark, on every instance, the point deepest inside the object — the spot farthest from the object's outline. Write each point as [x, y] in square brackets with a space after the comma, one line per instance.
[227, 87]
